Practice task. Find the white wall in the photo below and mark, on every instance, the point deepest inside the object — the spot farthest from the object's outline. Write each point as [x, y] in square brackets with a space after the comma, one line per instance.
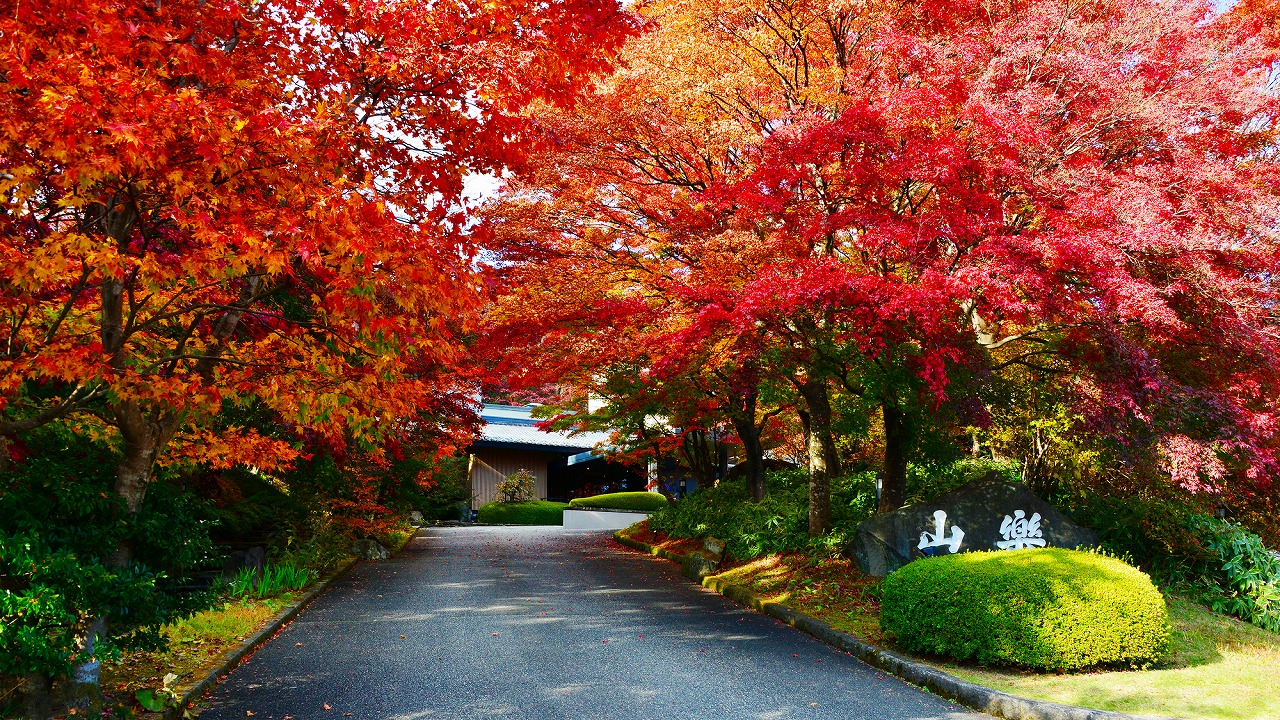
[600, 519]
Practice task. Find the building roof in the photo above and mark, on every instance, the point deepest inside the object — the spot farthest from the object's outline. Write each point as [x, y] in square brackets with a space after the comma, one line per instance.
[512, 426]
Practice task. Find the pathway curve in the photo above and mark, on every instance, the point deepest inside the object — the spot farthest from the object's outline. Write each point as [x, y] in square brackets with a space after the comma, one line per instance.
[540, 623]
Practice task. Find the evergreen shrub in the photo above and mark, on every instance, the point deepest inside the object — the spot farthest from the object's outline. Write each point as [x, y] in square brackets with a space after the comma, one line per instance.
[643, 501]
[518, 487]
[779, 523]
[1249, 586]
[536, 512]
[1044, 609]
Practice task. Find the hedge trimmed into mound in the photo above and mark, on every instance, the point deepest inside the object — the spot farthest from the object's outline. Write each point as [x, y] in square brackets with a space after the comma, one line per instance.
[536, 512]
[1046, 609]
[643, 501]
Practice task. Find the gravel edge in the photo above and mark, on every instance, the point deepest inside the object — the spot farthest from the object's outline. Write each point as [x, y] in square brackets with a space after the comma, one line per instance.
[971, 695]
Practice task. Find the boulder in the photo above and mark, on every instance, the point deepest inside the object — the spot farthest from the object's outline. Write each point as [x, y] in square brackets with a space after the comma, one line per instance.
[369, 549]
[415, 518]
[699, 564]
[988, 514]
[714, 546]
[254, 558]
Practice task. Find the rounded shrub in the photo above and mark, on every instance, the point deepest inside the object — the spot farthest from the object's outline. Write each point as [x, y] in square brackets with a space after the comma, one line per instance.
[643, 501]
[1046, 609]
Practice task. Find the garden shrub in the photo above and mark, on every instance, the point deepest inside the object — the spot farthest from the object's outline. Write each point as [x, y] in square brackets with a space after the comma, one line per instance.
[536, 512]
[644, 501]
[925, 482]
[1219, 563]
[60, 523]
[1158, 536]
[1046, 609]
[518, 487]
[779, 523]
[1249, 585]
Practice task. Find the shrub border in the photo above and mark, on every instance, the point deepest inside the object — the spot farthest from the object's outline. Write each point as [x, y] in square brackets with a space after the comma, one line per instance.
[971, 695]
[603, 509]
[230, 661]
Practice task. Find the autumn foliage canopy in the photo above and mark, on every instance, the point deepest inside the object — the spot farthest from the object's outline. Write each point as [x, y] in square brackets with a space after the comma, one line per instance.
[211, 204]
[919, 211]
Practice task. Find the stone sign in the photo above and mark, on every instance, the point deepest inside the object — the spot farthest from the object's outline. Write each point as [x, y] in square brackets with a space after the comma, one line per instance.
[988, 514]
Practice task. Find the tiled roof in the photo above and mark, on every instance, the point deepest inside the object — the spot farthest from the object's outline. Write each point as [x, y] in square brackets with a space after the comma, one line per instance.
[526, 435]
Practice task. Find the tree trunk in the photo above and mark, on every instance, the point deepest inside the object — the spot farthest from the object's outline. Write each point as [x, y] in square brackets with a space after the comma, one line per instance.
[824, 460]
[897, 436]
[744, 423]
[37, 697]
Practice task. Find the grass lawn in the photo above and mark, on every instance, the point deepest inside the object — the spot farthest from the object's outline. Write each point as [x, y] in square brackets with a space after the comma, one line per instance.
[196, 646]
[536, 512]
[622, 501]
[1218, 667]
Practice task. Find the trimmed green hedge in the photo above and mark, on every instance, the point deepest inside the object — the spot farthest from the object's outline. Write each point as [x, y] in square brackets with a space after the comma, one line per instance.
[536, 512]
[643, 501]
[1047, 609]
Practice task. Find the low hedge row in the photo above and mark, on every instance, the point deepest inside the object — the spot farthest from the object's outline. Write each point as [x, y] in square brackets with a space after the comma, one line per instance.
[643, 501]
[535, 512]
[1046, 609]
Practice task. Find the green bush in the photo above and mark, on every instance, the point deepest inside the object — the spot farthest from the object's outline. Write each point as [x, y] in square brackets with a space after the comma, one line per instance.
[518, 487]
[644, 501]
[1046, 609]
[1219, 563]
[1249, 586]
[779, 523]
[60, 523]
[537, 512]
[1158, 536]
[926, 482]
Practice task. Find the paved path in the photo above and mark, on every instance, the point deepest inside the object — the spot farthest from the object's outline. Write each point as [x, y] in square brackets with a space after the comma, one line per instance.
[541, 623]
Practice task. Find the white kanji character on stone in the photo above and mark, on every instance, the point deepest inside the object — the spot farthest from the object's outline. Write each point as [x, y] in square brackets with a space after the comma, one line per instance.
[1020, 531]
[936, 539]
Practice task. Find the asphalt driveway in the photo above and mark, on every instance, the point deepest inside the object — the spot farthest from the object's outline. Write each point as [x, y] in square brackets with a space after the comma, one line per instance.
[539, 623]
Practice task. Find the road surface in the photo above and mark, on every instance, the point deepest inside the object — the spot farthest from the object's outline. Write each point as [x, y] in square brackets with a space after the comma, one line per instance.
[542, 623]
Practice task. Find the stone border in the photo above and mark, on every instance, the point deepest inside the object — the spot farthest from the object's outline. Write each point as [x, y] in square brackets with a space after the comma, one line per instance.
[230, 661]
[971, 695]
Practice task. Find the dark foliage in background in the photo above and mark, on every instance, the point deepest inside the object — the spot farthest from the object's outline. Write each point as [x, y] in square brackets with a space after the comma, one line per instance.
[59, 525]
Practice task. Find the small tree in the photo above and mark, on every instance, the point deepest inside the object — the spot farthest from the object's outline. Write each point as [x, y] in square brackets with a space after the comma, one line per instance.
[517, 487]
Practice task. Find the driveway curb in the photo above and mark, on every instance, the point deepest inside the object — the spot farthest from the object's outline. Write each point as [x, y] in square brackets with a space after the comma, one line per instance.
[190, 694]
[971, 695]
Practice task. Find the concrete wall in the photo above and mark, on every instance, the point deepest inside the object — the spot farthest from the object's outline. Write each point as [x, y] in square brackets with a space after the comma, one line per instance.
[489, 467]
[600, 519]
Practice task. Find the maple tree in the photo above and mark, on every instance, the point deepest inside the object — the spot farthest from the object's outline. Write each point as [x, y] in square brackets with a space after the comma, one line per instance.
[211, 205]
[884, 197]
